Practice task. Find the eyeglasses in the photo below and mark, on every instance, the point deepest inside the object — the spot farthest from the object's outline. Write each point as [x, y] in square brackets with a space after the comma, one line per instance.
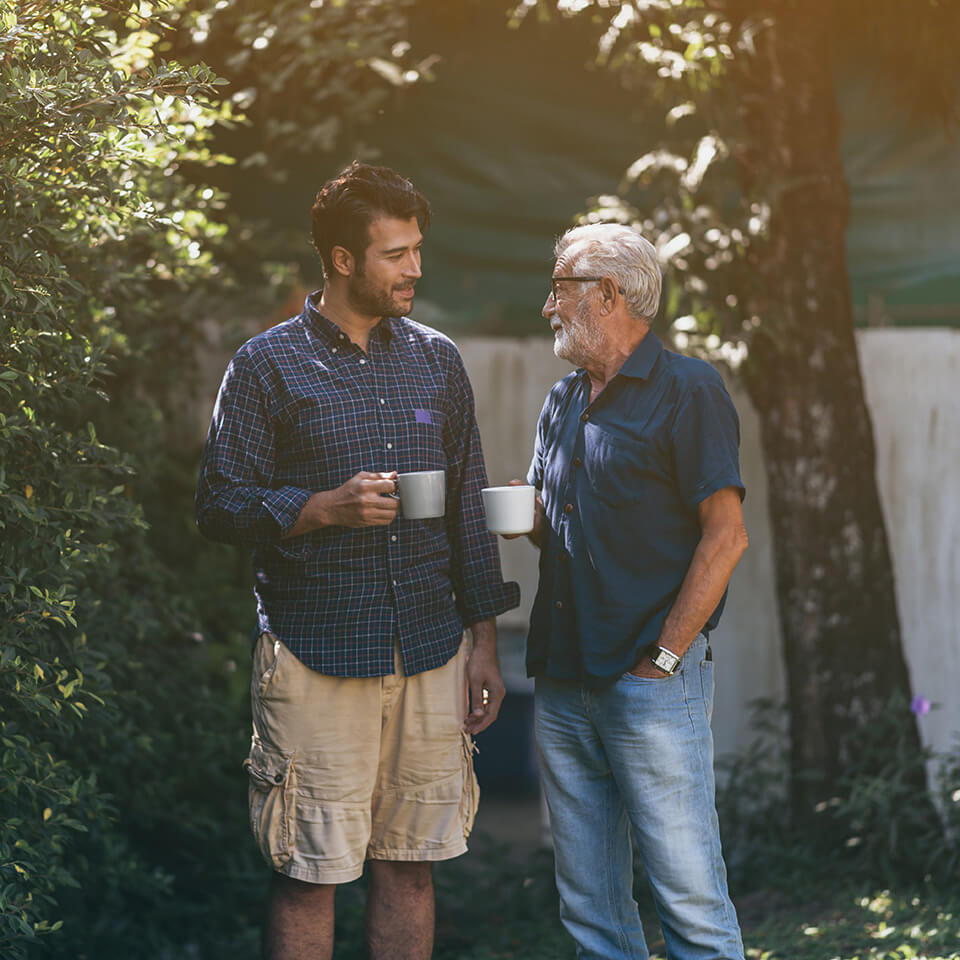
[555, 280]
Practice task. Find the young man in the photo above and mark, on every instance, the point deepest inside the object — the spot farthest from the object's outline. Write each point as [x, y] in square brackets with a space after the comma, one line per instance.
[361, 744]
[639, 528]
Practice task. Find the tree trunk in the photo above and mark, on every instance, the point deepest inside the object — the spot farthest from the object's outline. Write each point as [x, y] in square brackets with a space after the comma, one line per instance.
[834, 575]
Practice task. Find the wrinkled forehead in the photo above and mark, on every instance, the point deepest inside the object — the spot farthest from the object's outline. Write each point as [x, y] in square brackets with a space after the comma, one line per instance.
[569, 257]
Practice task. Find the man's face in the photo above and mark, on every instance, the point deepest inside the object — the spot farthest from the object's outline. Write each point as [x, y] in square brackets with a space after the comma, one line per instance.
[578, 335]
[382, 283]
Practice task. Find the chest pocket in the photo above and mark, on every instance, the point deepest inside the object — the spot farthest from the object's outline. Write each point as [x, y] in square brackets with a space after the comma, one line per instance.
[618, 470]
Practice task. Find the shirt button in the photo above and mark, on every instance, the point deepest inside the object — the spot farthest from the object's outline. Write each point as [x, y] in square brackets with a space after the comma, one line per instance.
[334, 349]
[577, 462]
[342, 337]
[568, 508]
[363, 360]
[584, 417]
[389, 446]
[382, 401]
[394, 538]
[394, 582]
[559, 604]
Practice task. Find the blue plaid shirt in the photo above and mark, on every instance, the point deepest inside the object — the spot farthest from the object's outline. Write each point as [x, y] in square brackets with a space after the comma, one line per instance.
[302, 409]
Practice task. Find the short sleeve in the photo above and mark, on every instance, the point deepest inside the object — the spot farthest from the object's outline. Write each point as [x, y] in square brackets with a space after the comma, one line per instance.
[706, 443]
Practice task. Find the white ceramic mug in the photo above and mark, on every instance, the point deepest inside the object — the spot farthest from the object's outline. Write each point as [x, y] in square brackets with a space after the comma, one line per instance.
[509, 509]
[423, 494]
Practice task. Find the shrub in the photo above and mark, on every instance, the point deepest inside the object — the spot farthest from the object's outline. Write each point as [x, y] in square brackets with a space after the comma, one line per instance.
[874, 827]
[119, 732]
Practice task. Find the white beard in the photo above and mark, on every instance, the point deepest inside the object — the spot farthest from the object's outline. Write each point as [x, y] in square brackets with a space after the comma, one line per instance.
[579, 340]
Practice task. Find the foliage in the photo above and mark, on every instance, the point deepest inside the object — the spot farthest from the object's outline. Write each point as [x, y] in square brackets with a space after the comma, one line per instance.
[872, 828]
[114, 721]
[851, 923]
[705, 189]
[309, 76]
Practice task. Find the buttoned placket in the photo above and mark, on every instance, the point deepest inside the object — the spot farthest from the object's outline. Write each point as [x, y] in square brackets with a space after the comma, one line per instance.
[568, 523]
[373, 377]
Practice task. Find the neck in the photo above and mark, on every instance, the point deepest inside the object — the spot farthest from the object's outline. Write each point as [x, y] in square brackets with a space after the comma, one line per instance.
[619, 343]
[333, 304]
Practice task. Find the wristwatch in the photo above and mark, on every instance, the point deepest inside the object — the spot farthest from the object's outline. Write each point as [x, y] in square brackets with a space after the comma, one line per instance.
[664, 659]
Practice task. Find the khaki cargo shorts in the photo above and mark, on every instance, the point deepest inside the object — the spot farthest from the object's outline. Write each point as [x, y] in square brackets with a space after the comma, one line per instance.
[344, 770]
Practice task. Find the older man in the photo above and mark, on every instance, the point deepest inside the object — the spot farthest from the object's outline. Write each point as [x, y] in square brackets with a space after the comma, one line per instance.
[639, 528]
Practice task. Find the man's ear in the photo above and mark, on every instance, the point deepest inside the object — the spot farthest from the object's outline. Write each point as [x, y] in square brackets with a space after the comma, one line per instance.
[608, 294]
[343, 261]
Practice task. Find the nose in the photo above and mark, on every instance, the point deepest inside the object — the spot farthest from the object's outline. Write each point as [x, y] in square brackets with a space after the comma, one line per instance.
[412, 267]
[549, 307]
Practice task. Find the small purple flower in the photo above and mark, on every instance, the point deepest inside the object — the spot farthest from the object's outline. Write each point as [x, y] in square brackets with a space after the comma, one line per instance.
[920, 706]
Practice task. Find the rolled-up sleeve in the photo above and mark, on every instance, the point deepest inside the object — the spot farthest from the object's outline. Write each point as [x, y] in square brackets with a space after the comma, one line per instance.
[236, 500]
[479, 587]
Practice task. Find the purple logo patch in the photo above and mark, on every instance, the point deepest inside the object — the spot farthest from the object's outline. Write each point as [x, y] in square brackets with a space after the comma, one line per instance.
[422, 416]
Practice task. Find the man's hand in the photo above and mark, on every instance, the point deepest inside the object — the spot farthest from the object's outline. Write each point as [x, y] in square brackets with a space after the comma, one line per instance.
[484, 683]
[539, 519]
[360, 502]
[646, 670]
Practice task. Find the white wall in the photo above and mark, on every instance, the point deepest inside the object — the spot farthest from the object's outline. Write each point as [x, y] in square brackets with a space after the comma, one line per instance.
[911, 378]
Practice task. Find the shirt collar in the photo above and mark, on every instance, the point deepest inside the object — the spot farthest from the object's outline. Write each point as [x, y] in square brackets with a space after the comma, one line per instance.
[640, 363]
[326, 328]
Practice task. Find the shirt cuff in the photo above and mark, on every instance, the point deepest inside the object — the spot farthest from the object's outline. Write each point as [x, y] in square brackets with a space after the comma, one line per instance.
[284, 505]
[718, 483]
[491, 602]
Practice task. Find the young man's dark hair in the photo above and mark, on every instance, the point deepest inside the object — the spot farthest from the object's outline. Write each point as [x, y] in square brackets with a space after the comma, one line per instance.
[348, 204]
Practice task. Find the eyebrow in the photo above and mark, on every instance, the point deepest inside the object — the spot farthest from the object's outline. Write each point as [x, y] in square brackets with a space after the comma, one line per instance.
[416, 246]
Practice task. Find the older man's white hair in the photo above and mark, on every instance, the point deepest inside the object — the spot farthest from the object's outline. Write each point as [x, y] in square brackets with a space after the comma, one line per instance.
[613, 250]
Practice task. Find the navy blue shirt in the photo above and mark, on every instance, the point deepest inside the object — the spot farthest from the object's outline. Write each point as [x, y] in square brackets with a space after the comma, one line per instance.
[621, 479]
[303, 409]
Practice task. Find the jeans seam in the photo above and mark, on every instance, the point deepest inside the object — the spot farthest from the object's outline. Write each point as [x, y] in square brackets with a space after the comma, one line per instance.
[719, 871]
[611, 892]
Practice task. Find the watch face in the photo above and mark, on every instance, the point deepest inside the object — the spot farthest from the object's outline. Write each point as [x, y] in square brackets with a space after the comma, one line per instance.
[666, 660]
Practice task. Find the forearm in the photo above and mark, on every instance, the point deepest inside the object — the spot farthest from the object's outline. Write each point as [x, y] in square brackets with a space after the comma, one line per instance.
[702, 588]
[316, 513]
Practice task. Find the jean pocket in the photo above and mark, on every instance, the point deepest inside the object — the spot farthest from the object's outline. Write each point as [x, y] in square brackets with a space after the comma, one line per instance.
[633, 678]
[706, 684]
[271, 796]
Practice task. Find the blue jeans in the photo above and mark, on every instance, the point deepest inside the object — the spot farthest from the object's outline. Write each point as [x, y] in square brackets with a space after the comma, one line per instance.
[639, 755]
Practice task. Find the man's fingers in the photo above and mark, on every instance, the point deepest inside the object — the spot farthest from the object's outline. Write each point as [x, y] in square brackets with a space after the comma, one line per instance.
[385, 485]
[482, 716]
[383, 512]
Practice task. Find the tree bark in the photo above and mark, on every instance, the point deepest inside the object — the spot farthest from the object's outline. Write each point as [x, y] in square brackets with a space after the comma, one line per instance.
[834, 575]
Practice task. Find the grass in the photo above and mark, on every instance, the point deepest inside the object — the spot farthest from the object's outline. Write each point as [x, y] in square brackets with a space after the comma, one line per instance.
[495, 905]
[853, 925]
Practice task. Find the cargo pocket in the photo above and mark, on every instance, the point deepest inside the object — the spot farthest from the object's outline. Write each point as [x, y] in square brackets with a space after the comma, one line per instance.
[470, 796]
[271, 795]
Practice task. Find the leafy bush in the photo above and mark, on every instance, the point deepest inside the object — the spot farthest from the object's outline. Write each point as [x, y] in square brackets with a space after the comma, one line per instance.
[120, 734]
[873, 828]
